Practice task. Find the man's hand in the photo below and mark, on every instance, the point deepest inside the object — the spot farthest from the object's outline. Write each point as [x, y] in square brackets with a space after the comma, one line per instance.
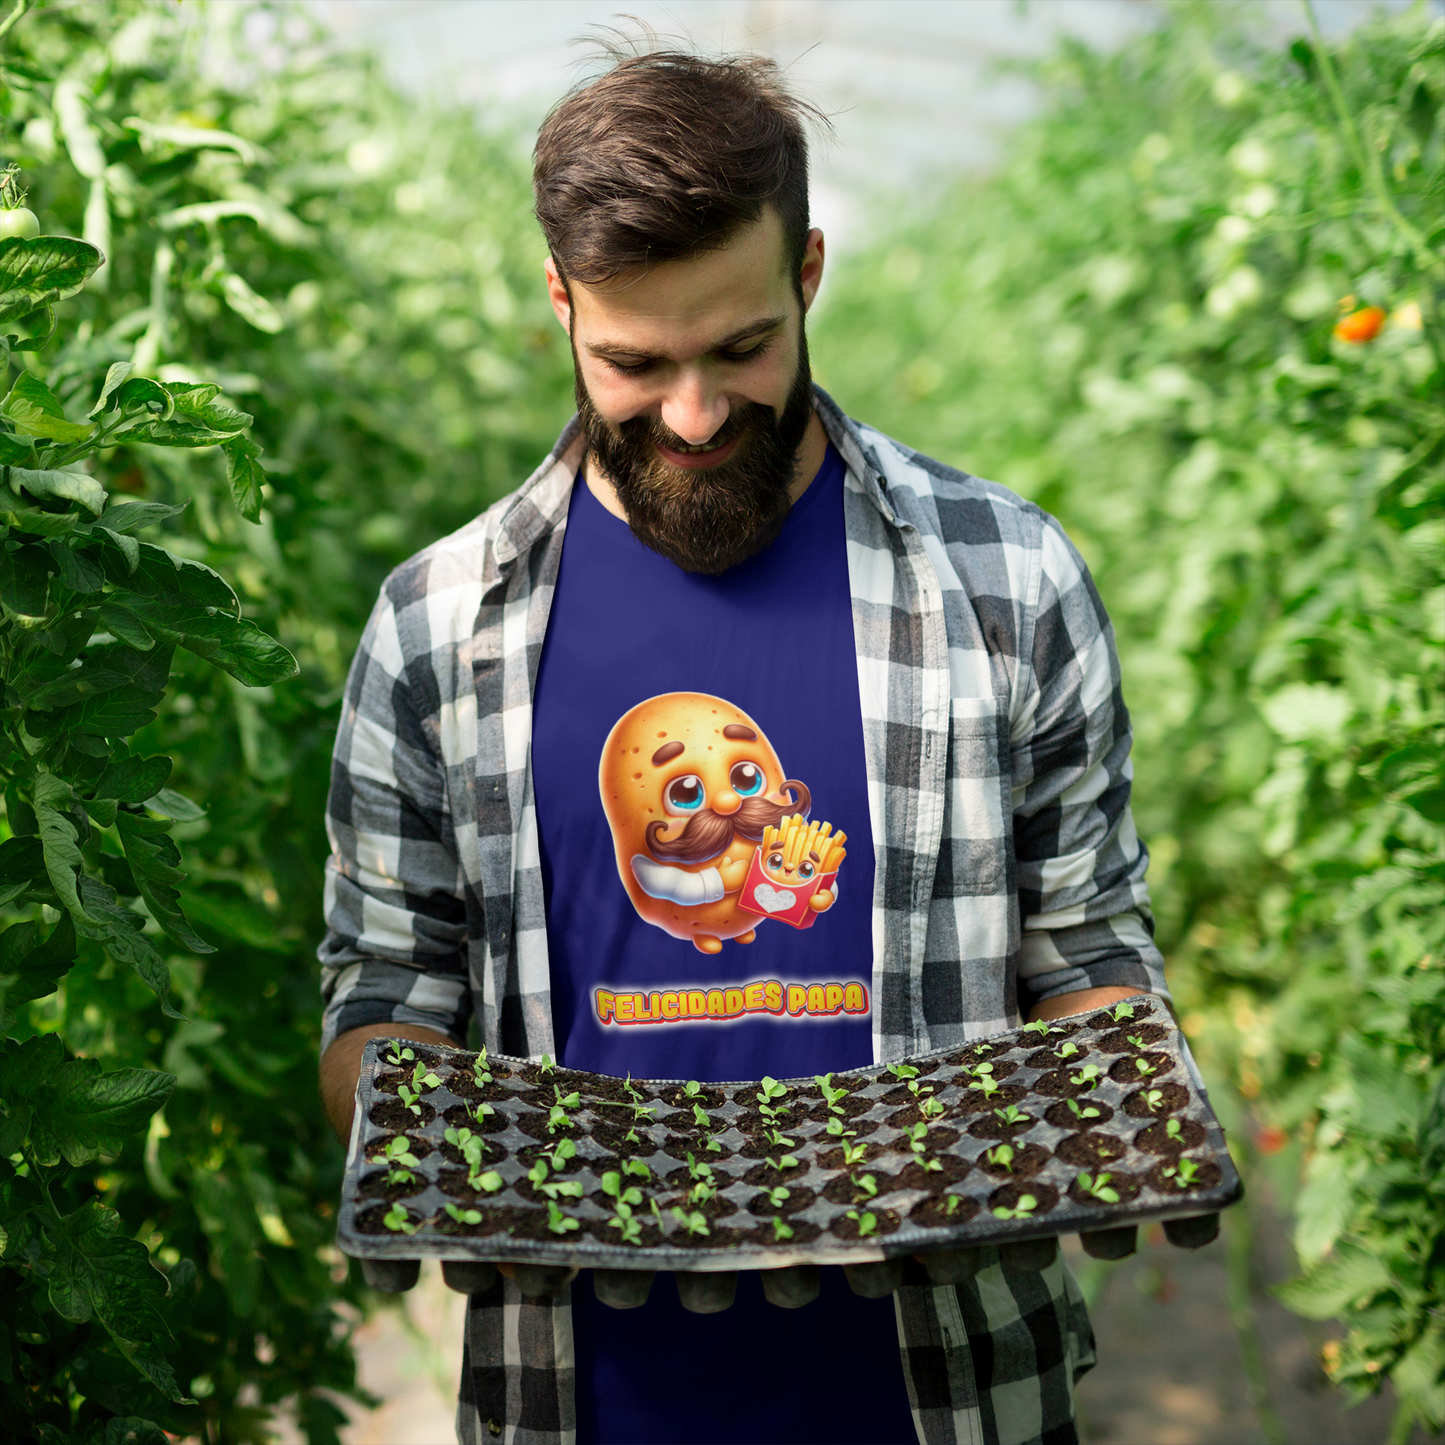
[341, 1067]
[1086, 1000]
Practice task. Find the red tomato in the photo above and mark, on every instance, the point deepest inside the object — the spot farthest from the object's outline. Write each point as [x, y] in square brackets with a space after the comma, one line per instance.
[1362, 325]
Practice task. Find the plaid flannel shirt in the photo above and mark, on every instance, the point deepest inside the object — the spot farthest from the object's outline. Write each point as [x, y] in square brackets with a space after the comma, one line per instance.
[1008, 869]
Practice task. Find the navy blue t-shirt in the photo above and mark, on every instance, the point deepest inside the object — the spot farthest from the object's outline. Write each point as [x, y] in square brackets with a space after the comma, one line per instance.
[680, 721]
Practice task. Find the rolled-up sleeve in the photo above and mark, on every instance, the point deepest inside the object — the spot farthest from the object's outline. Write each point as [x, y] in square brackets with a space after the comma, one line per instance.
[1082, 897]
[395, 946]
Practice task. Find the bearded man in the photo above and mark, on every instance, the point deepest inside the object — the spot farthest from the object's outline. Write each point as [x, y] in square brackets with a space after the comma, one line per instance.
[717, 584]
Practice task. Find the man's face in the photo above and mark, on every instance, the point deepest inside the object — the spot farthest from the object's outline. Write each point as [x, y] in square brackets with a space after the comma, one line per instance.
[694, 392]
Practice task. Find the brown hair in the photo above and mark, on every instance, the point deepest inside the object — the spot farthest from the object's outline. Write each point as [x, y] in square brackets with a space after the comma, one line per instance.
[665, 156]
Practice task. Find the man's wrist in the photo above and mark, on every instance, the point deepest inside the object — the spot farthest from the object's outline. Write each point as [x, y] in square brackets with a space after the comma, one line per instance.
[1081, 1001]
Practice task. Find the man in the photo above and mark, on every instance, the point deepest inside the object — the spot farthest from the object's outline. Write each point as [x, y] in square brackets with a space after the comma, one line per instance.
[572, 727]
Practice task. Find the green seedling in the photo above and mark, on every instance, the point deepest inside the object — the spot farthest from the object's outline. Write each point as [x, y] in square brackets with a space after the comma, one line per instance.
[1084, 1111]
[1022, 1210]
[931, 1108]
[422, 1080]
[1137, 1040]
[1001, 1156]
[398, 1220]
[613, 1187]
[835, 1128]
[1123, 1011]
[903, 1072]
[1011, 1114]
[557, 1115]
[1099, 1187]
[397, 1057]
[637, 1169]
[781, 1229]
[778, 1139]
[867, 1222]
[694, 1223]
[777, 1196]
[786, 1162]
[480, 1072]
[478, 1112]
[979, 1070]
[768, 1094]
[464, 1216]
[698, 1171]
[546, 1065]
[1154, 1099]
[561, 1152]
[1184, 1173]
[692, 1089]
[702, 1191]
[951, 1207]
[625, 1200]
[867, 1186]
[988, 1085]
[631, 1090]
[1067, 1049]
[700, 1117]
[400, 1176]
[558, 1222]
[556, 1188]
[917, 1136]
[1173, 1129]
[398, 1151]
[1145, 1067]
[853, 1153]
[656, 1212]
[833, 1095]
[1037, 1027]
[1088, 1077]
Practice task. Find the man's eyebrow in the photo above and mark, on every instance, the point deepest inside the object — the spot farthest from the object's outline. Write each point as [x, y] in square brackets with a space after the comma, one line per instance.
[743, 333]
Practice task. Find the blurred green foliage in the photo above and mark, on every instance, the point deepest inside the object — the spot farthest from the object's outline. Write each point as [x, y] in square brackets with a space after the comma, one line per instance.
[360, 273]
[1132, 322]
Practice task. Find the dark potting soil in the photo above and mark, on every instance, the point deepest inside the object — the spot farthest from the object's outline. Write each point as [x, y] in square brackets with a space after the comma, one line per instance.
[369, 1221]
[764, 1176]
[375, 1186]
[998, 1069]
[757, 1147]
[1052, 1059]
[804, 1232]
[1058, 1084]
[1091, 1150]
[534, 1126]
[1063, 1117]
[454, 1183]
[843, 1190]
[937, 1139]
[933, 1211]
[852, 1129]
[977, 1101]
[1126, 1186]
[1007, 1197]
[463, 1084]
[445, 1224]
[1104, 1020]
[1027, 1161]
[460, 1117]
[602, 1230]
[914, 1176]
[492, 1151]
[1155, 1139]
[389, 1083]
[708, 1098]
[885, 1222]
[852, 1106]
[1207, 1177]
[393, 1114]
[911, 1114]
[611, 1134]
[419, 1146]
[992, 1127]
[719, 1206]
[975, 1054]
[1117, 1041]
[1172, 1097]
[797, 1201]
[833, 1158]
[1128, 1071]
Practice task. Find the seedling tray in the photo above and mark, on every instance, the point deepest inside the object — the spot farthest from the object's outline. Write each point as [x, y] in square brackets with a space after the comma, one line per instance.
[1012, 1089]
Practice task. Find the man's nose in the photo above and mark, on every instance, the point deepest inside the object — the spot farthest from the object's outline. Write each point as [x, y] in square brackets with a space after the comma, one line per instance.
[726, 802]
[694, 409]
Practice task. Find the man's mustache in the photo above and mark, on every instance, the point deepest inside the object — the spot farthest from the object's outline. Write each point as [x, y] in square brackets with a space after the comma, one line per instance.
[707, 833]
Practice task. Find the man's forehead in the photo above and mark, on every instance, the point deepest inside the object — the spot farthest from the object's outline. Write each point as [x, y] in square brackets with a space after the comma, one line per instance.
[695, 304]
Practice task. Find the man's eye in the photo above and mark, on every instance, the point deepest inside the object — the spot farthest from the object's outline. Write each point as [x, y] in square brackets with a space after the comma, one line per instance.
[746, 355]
[628, 368]
[746, 780]
[684, 795]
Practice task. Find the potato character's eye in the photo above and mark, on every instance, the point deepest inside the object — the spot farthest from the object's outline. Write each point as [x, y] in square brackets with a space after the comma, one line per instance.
[805, 870]
[775, 860]
[746, 780]
[684, 796]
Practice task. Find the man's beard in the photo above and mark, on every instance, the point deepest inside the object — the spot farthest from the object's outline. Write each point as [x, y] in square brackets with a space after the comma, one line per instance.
[705, 519]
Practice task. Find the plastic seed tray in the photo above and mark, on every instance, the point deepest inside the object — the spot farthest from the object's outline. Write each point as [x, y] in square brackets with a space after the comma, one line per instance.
[1089, 1124]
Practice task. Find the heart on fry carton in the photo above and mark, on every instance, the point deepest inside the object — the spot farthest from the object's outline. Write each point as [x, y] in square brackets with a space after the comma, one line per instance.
[792, 864]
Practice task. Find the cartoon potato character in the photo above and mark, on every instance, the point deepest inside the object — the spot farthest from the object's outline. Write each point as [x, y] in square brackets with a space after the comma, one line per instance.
[689, 783]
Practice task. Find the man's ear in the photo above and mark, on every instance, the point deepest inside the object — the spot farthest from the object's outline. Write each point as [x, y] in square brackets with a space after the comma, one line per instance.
[810, 277]
[557, 295]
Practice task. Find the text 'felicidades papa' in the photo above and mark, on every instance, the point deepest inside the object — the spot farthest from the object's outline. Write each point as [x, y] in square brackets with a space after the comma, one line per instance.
[795, 1000]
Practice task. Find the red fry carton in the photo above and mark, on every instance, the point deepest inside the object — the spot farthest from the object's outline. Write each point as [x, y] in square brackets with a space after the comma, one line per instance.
[786, 902]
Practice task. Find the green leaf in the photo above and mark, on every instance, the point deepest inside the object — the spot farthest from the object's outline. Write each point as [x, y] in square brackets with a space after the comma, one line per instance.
[1347, 1279]
[1429, 803]
[16, 451]
[35, 967]
[171, 804]
[34, 273]
[132, 1430]
[59, 839]
[249, 306]
[20, 858]
[124, 625]
[36, 411]
[119, 929]
[86, 1113]
[245, 475]
[129, 517]
[24, 578]
[120, 711]
[77, 571]
[142, 395]
[66, 486]
[32, 330]
[154, 861]
[239, 647]
[133, 780]
[115, 374]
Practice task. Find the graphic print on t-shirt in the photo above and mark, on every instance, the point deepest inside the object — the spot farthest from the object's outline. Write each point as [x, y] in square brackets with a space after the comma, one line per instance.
[712, 836]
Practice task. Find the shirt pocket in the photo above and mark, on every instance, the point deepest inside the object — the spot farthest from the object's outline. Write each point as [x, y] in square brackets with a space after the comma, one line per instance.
[978, 820]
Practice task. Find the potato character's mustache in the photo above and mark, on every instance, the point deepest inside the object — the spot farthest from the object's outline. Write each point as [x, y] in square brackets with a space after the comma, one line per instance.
[707, 833]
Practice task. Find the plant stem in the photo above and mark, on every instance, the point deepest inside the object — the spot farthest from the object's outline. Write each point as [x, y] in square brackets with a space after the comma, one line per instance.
[17, 10]
[1239, 1245]
[1366, 157]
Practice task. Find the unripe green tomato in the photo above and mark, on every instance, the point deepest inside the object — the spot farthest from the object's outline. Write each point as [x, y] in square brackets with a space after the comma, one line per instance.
[19, 222]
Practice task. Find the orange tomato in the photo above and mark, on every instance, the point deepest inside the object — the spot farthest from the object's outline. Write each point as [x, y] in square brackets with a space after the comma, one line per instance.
[1361, 325]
